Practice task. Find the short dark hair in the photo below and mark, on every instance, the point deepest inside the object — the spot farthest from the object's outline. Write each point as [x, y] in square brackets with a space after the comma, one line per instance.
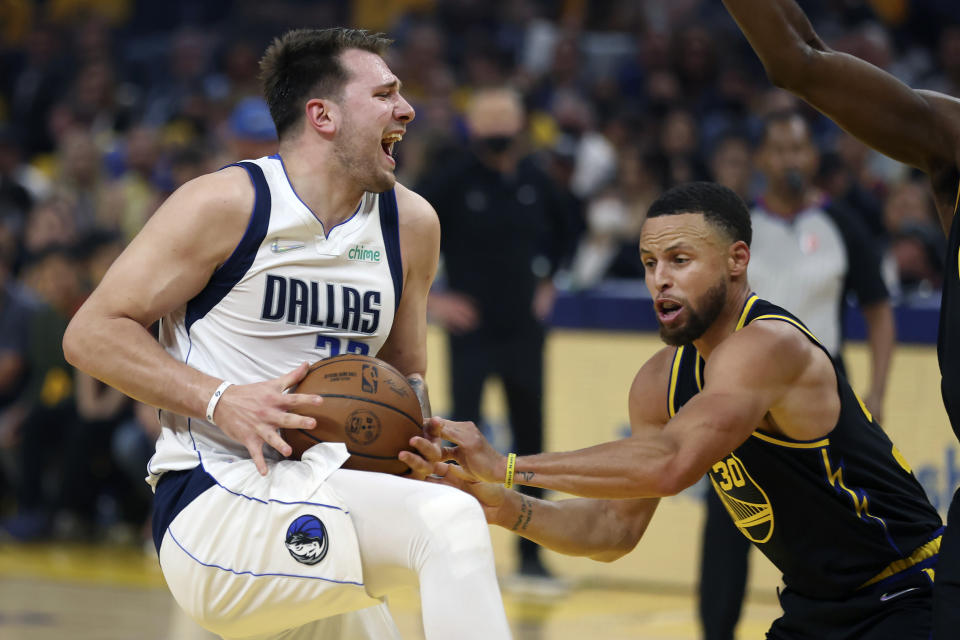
[305, 61]
[720, 206]
[783, 116]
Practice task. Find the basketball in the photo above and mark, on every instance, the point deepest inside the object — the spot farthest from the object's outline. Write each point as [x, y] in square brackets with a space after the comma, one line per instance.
[367, 404]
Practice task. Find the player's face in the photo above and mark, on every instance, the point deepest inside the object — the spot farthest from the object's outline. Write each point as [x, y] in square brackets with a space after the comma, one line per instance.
[685, 262]
[374, 119]
[787, 156]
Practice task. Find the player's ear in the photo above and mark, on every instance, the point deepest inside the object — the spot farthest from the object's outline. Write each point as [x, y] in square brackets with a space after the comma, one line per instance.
[738, 258]
[321, 116]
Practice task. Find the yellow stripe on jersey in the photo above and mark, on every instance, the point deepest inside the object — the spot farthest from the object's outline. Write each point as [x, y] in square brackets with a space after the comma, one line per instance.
[863, 407]
[919, 554]
[901, 460]
[817, 444]
[773, 316]
[696, 372]
[956, 206]
[672, 390]
[861, 502]
[746, 310]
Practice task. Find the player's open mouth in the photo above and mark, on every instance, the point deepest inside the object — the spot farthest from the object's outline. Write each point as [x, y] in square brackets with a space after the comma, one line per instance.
[667, 310]
[387, 145]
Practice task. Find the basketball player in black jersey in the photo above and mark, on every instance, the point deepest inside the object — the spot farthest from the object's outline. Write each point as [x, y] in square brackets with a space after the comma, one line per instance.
[748, 395]
[919, 128]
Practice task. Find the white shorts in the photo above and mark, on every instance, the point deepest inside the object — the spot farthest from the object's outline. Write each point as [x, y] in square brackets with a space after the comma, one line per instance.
[281, 557]
[266, 554]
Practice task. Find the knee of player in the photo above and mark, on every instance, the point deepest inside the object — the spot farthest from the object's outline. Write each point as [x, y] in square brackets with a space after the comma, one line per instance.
[453, 521]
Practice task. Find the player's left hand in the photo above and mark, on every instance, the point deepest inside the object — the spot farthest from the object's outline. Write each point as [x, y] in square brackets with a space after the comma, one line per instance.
[430, 449]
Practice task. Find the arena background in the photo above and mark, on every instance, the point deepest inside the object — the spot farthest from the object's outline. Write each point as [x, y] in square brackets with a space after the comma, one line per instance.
[105, 106]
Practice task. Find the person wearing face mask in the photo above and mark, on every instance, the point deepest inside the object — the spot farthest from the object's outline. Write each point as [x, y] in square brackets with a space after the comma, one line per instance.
[504, 230]
[808, 253]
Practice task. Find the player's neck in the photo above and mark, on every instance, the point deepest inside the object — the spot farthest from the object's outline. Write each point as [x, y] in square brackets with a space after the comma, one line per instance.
[726, 322]
[330, 195]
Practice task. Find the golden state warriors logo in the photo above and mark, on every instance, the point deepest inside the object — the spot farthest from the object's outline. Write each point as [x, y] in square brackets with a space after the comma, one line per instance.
[746, 502]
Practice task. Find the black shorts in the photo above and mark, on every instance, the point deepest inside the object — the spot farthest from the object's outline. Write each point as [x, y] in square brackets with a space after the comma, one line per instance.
[898, 611]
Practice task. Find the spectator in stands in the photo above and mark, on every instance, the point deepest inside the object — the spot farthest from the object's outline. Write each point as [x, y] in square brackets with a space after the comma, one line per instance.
[608, 249]
[135, 194]
[731, 164]
[916, 242]
[249, 132]
[49, 444]
[17, 307]
[504, 233]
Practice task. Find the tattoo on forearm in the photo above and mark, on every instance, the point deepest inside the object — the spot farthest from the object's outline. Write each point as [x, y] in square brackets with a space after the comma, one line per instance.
[420, 389]
[526, 512]
[523, 476]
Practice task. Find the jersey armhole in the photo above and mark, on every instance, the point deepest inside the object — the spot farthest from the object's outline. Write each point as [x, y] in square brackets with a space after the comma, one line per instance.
[236, 266]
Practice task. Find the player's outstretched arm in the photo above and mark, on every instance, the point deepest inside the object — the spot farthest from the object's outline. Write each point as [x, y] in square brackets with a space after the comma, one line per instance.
[919, 128]
[166, 265]
[745, 377]
[604, 530]
[406, 346]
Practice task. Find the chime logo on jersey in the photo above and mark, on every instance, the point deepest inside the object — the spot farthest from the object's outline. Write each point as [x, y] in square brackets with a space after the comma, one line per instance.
[361, 253]
[307, 540]
[744, 499]
[320, 304]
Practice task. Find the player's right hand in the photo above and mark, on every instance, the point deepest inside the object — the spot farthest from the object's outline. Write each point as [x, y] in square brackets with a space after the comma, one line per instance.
[251, 414]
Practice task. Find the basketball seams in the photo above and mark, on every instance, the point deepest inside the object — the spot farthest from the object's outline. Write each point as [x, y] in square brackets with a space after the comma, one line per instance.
[370, 360]
[344, 396]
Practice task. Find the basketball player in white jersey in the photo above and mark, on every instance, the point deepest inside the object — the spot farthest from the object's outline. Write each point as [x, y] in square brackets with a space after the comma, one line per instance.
[255, 270]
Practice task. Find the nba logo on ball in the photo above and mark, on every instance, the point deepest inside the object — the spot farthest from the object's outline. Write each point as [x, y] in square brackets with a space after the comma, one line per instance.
[363, 427]
[368, 379]
[307, 540]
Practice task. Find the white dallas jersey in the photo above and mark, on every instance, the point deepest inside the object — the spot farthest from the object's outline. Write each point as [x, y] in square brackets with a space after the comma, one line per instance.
[291, 292]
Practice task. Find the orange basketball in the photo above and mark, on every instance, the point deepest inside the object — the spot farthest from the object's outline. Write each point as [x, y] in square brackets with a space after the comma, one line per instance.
[367, 404]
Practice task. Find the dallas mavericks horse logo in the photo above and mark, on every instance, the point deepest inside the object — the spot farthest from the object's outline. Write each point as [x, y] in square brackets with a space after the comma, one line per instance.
[307, 540]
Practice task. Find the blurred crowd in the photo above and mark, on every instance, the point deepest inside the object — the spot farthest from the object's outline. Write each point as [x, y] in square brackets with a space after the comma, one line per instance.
[108, 106]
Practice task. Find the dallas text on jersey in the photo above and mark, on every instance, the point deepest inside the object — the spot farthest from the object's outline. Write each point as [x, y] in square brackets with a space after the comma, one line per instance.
[331, 305]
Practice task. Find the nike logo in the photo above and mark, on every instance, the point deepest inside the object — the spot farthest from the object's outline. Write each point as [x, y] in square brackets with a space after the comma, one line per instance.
[896, 594]
[282, 246]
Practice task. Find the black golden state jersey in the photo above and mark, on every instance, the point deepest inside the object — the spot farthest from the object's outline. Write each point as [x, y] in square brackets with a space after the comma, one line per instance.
[836, 514]
[948, 339]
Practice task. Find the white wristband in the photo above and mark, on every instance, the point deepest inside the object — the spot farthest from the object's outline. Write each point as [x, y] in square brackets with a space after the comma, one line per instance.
[215, 398]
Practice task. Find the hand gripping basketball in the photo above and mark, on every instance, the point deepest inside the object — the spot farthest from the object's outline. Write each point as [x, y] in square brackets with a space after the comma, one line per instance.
[251, 414]
[472, 451]
[368, 405]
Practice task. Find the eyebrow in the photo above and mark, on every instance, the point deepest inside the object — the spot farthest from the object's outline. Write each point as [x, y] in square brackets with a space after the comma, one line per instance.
[679, 246]
[390, 85]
